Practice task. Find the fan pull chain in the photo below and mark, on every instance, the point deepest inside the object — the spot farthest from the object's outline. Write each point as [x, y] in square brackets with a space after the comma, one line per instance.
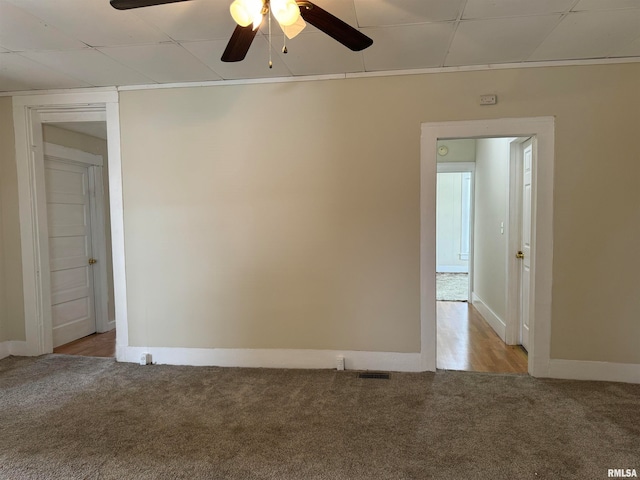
[270, 62]
[284, 46]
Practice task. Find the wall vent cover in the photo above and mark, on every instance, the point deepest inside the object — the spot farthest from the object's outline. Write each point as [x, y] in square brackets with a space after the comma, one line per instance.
[378, 375]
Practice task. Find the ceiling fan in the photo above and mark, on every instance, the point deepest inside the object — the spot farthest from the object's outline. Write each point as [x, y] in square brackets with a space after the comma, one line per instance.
[291, 15]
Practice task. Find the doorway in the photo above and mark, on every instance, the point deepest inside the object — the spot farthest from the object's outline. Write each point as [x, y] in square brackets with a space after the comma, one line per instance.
[30, 113]
[77, 211]
[541, 130]
[472, 229]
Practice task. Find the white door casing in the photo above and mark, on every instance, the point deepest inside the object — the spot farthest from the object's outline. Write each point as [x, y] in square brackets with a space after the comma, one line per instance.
[541, 255]
[70, 250]
[29, 113]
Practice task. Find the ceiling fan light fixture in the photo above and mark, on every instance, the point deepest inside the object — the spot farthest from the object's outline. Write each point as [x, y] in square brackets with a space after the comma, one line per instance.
[286, 12]
[246, 12]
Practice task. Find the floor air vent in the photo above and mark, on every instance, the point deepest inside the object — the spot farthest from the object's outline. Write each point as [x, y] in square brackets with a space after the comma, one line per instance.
[381, 376]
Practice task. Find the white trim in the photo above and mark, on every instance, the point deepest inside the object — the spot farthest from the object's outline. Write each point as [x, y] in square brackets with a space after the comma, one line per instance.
[65, 153]
[52, 99]
[492, 318]
[386, 73]
[310, 78]
[456, 167]
[601, 371]
[116, 208]
[542, 254]
[13, 347]
[29, 158]
[273, 358]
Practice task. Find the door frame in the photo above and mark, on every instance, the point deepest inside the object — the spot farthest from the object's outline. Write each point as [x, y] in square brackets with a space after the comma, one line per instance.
[94, 164]
[542, 129]
[464, 167]
[29, 112]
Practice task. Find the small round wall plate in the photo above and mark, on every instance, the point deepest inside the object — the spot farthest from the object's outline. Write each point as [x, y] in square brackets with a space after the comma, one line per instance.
[443, 150]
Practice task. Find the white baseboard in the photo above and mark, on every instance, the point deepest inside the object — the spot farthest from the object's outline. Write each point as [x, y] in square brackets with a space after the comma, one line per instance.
[110, 326]
[452, 269]
[490, 316]
[587, 370]
[273, 358]
[13, 347]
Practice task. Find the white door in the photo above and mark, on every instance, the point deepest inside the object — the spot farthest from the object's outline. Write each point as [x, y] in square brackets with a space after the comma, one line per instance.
[68, 213]
[525, 268]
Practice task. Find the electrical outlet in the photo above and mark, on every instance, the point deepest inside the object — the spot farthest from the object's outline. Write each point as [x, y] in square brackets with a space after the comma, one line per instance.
[340, 362]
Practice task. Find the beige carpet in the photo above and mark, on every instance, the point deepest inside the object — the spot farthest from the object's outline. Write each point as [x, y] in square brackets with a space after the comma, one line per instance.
[64, 417]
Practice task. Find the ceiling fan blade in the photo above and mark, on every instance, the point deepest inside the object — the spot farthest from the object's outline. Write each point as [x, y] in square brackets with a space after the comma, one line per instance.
[129, 4]
[334, 27]
[239, 44]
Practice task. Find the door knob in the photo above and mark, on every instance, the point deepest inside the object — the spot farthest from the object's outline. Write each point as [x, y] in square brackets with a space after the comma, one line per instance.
[519, 254]
[92, 261]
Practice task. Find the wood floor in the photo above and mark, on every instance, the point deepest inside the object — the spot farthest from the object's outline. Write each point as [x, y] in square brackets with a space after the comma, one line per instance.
[96, 345]
[467, 342]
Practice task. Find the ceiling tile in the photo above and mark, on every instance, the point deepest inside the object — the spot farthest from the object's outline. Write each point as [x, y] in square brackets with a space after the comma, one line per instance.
[605, 4]
[255, 64]
[90, 66]
[629, 50]
[318, 54]
[398, 48]
[191, 21]
[93, 22]
[163, 63]
[343, 9]
[21, 31]
[589, 35]
[499, 40]
[375, 13]
[19, 73]
[513, 8]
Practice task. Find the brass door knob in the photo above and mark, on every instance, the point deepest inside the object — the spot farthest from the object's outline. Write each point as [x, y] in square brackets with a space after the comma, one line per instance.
[92, 261]
[520, 254]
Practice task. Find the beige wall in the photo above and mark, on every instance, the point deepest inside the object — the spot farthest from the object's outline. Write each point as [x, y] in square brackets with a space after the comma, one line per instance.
[12, 308]
[287, 215]
[96, 146]
[491, 211]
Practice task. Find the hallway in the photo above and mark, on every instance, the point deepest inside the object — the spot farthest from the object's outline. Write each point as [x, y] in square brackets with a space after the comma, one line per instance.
[467, 342]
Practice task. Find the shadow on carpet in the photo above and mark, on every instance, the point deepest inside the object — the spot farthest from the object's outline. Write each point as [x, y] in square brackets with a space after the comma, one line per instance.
[64, 417]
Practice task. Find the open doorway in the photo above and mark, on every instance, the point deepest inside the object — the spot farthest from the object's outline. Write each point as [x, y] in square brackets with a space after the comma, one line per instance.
[481, 215]
[79, 236]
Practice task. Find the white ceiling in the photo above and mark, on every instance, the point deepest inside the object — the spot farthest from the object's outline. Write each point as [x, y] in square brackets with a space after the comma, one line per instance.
[47, 44]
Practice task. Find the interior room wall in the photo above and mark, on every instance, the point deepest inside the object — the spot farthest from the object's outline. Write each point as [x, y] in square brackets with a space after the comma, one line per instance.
[491, 213]
[449, 223]
[3, 297]
[458, 150]
[97, 146]
[12, 316]
[286, 215]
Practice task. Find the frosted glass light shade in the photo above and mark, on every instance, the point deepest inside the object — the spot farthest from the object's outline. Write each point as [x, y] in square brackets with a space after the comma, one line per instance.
[246, 12]
[286, 12]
